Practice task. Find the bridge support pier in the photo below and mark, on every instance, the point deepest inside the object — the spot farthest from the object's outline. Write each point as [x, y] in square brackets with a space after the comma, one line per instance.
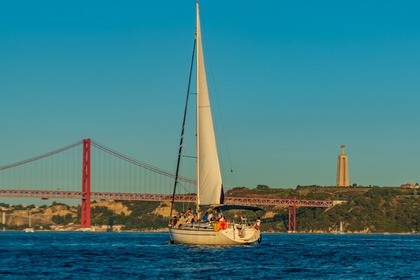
[85, 212]
[292, 217]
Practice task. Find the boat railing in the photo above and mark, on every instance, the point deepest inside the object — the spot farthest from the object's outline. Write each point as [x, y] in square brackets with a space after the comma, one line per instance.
[198, 226]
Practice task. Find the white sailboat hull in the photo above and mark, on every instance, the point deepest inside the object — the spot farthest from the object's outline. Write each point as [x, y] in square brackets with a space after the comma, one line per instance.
[230, 236]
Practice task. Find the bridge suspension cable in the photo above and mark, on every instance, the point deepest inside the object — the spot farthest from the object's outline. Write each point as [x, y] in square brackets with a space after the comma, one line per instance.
[107, 150]
[139, 163]
[41, 156]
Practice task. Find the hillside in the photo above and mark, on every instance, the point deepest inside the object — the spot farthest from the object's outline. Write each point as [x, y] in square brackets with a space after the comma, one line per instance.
[367, 210]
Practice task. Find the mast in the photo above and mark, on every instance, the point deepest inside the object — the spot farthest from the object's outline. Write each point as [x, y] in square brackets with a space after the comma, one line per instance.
[197, 147]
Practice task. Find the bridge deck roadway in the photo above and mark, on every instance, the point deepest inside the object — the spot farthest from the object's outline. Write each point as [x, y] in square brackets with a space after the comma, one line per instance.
[165, 197]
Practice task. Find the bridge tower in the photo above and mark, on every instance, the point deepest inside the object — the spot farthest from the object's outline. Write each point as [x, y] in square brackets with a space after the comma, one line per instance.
[343, 169]
[85, 211]
[292, 217]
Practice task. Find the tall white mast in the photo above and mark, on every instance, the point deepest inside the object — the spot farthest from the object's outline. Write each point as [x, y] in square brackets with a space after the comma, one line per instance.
[198, 43]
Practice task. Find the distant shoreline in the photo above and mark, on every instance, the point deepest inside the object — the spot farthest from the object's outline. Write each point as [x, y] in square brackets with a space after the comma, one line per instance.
[166, 231]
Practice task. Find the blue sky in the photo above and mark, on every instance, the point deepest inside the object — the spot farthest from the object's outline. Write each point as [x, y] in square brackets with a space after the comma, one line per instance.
[290, 81]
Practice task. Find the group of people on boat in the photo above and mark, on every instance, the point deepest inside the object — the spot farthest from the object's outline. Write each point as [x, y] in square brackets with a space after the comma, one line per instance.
[190, 216]
[211, 216]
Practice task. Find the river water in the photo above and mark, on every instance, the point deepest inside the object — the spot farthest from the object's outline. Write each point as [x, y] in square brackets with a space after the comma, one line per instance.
[59, 255]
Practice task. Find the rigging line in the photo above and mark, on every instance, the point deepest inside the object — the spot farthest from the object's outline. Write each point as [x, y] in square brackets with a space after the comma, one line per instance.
[221, 120]
[183, 125]
[139, 163]
[210, 66]
[184, 188]
[41, 156]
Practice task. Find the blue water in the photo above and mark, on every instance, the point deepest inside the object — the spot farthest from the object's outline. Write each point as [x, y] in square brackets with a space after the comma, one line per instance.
[52, 255]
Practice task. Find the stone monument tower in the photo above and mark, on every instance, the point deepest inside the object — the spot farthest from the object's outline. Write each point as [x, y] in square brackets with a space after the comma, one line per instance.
[343, 169]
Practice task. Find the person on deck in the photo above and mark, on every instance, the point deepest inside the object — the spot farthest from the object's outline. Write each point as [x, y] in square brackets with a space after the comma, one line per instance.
[174, 221]
[195, 218]
[219, 215]
[188, 216]
[210, 217]
[206, 217]
[257, 223]
[180, 221]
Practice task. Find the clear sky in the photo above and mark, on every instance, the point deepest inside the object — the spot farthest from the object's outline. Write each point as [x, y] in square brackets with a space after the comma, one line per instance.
[290, 81]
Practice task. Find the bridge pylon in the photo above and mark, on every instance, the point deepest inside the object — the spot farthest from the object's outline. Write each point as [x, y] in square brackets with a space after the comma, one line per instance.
[85, 211]
[292, 217]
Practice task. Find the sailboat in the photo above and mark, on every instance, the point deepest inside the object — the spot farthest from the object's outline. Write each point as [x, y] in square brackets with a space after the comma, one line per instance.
[29, 229]
[208, 175]
[341, 228]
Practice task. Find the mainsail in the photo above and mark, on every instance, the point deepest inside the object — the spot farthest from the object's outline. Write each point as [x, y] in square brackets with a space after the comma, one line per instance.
[209, 179]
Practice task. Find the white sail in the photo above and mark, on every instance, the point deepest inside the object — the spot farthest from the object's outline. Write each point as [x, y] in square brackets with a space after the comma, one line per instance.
[209, 179]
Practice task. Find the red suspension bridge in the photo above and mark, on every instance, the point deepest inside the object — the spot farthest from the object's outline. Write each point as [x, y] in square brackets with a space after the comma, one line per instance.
[113, 176]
